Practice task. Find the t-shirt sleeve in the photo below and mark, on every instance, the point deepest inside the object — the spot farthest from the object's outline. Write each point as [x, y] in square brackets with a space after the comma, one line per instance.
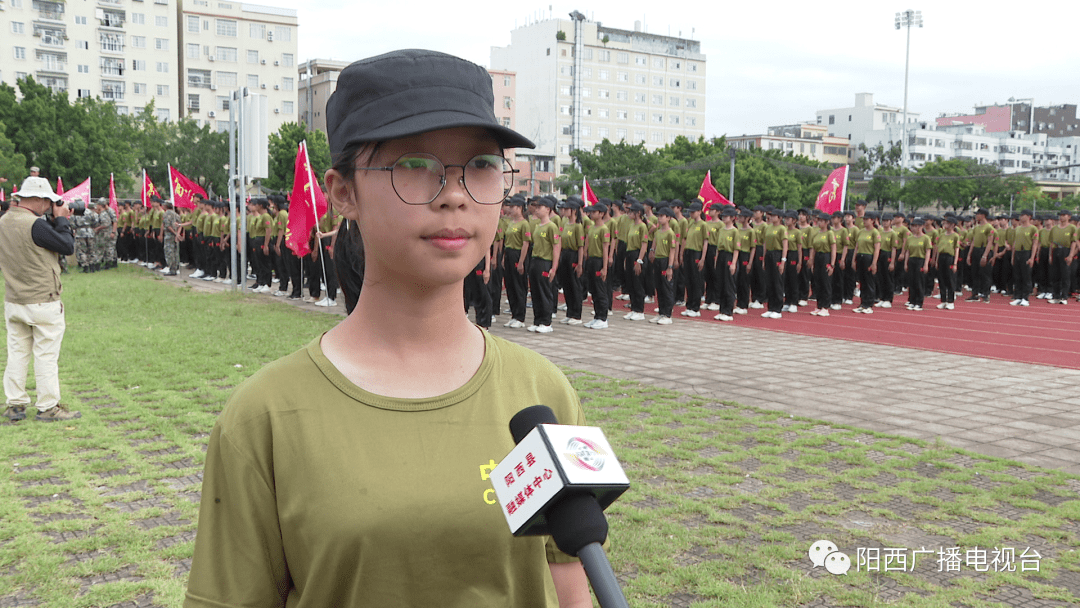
[239, 555]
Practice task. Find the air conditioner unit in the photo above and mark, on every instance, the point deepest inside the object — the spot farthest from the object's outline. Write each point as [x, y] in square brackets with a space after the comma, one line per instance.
[213, 87]
[277, 63]
[211, 57]
[211, 113]
[262, 85]
[277, 111]
[276, 87]
[263, 62]
[269, 36]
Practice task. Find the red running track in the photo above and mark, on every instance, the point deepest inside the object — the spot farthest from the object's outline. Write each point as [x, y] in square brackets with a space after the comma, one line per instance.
[1042, 333]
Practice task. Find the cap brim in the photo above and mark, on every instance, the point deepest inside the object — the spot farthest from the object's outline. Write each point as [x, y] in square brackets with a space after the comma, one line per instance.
[52, 196]
[435, 121]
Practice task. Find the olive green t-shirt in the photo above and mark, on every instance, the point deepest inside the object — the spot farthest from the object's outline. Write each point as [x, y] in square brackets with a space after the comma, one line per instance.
[852, 235]
[824, 241]
[573, 236]
[696, 233]
[888, 240]
[918, 246]
[747, 239]
[1063, 236]
[622, 226]
[637, 234]
[866, 240]
[794, 243]
[516, 234]
[544, 238]
[728, 239]
[599, 236]
[318, 493]
[155, 219]
[774, 237]
[947, 243]
[841, 238]
[663, 240]
[1024, 237]
[1044, 237]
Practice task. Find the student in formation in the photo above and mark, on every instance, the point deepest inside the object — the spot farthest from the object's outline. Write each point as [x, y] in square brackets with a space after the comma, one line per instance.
[637, 239]
[867, 250]
[546, 247]
[516, 242]
[915, 255]
[597, 265]
[571, 261]
[728, 243]
[1025, 246]
[793, 265]
[946, 252]
[823, 264]
[693, 260]
[662, 256]
[747, 249]
[886, 262]
[775, 238]
[1064, 246]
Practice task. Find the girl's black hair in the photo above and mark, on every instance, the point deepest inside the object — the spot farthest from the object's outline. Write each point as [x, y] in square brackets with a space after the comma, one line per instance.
[349, 263]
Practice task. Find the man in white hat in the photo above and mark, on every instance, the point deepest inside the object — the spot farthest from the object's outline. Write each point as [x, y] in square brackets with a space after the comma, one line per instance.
[33, 234]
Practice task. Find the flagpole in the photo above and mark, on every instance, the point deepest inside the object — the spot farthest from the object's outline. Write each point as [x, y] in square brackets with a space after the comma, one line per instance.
[315, 212]
[172, 193]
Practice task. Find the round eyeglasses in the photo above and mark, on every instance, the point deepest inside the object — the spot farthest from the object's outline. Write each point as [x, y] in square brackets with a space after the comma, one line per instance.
[419, 178]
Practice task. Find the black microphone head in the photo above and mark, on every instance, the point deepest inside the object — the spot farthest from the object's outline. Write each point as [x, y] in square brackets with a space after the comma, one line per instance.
[526, 420]
[575, 521]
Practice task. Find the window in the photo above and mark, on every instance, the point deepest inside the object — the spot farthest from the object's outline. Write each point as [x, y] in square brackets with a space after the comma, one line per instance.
[639, 116]
[223, 103]
[691, 103]
[674, 102]
[226, 27]
[82, 44]
[80, 20]
[20, 52]
[225, 53]
[161, 44]
[565, 89]
[138, 18]
[506, 81]
[137, 65]
[658, 81]
[163, 67]
[639, 135]
[691, 85]
[226, 79]
[587, 54]
[163, 90]
[566, 70]
[84, 94]
[161, 21]
[620, 114]
[691, 66]
[621, 95]
[138, 42]
[162, 114]
[567, 130]
[603, 112]
[832, 119]
[112, 90]
[658, 118]
[287, 84]
[604, 55]
[586, 92]
[139, 88]
[84, 69]
[658, 62]
[256, 30]
[658, 100]
[192, 51]
[620, 134]
[565, 150]
[253, 81]
[622, 76]
[586, 72]
[287, 60]
[641, 79]
[622, 57]
[193, 24]
[18, 28]
[639, 97]
[122, 110]
[112, 43]
[603, 94]
[586, 131]
[674, 64]
[253, 56]
[674, 119]
[657, 137]
[640, 60]
[506, 121]
[287, 107]
[604, 75]
[602, 131]
[564, 110]
[674, 82]
[849, 117]
[507, 102]
[283, 34]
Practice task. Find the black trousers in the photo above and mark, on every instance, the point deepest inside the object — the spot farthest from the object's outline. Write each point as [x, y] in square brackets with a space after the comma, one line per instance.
[1060, 273]
[851, 275]
[695, 281]
[618, 278]
[758, 287]
[261, 263]
[916, 284]
[665, 287]
[477, 295]
[634, 283]
[742, 281]
[291, 265]
[946, 277]
[1022, 272]
[572, 293]
[774, 286]
[822, 280]
[725, 281]
[316, 271]
[805, 278]
[598, 287]
[1041, 272]
[543, 291]
[980, 272]
[837, 280]
[515, 284]
[884, 279]
[496, 283]
[867, 280]
[712, 285]
[791, 279]
[647, 273]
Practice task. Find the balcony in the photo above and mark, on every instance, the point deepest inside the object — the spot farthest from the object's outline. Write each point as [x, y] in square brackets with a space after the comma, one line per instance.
[56, 67]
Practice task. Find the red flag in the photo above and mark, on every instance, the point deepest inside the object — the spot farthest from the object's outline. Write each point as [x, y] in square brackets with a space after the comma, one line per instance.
[183, 189]
[1, 195]
[112, 195]
[81, 191]
[148, 190]
[708, 195]
[831, 197]
[306, 205]
[59, 186]
[587, 193]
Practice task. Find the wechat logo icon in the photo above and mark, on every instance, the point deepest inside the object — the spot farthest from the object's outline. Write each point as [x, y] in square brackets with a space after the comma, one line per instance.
[824, 553]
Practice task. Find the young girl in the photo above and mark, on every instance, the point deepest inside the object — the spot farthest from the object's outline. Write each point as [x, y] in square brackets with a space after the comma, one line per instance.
[354, 472]
[572, 261]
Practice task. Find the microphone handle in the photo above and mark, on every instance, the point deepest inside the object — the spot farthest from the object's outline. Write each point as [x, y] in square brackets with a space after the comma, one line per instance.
[602, 577]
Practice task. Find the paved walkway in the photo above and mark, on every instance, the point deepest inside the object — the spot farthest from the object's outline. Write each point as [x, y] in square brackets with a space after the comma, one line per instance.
[1025, 412]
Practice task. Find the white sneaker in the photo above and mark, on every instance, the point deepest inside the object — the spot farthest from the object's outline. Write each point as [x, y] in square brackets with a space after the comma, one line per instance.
[544, 329]
[680, 303]
[1063, 301]
[208, 278]
[848, 301]
[877, 304]
[264, 289]
[278, 293]
[515, 324]
[950, 306]
[766, 315]
[275, 280]
[326, 302]
[251, 277]
[494, 319]
[684, 313]
[793, 308]
[664, 321]
[637, 316]
[739, 311]
[1014, 303]
[219, 280]
[916, 308]
[756, 305]
[714, 306]
[628, 315]
[823, 312]
[858, 292]
[725, 318]
[322, 286]
[599, 325]
[692, 313]
[622, 296]
[858, 310]
[942, 305]
[815, 312]
[1024, 303]
[532, 328]
[803, 303]
[775, 315]
[936, 296]
[310, 300]
[565, 320]
[562, 306]
[1052, 301]
[835, 307]
[649, 300]
[868, 311]
[589, 324]
[654, 319]
[993, 289]
[574, 322]
[886, 304]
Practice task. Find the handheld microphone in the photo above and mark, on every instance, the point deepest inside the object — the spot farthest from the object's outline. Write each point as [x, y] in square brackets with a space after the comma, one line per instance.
[558, 480]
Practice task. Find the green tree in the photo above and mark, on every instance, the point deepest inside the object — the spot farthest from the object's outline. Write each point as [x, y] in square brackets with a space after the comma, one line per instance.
[201, 154]
[607, 161]
[282, 148]
[881, 163]
[12, 164]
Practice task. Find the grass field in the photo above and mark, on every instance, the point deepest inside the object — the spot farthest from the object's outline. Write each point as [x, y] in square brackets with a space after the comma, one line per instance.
[724, 505]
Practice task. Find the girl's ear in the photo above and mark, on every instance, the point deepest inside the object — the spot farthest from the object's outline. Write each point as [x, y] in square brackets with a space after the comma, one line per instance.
[342, 195]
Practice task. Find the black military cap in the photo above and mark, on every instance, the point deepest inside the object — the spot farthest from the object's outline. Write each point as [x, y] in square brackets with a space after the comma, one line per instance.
[982, 211]
[728, 211]
[598, 207]
[887, 217]
[1026, 212]
[695, 206]
[1065, 212]
[917, 221]
[665, 212]
[952, 219]
[409, 92]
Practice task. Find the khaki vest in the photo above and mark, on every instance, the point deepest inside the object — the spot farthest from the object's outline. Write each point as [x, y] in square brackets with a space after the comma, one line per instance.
[31, 273]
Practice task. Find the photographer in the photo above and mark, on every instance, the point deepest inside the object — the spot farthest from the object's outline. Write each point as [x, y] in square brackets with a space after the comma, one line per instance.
[33, 234]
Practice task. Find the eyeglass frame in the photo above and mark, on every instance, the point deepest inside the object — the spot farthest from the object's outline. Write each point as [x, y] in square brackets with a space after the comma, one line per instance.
[442, 185]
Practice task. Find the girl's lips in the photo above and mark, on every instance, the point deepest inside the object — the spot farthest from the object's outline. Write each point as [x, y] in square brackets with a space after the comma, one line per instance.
[449, 240]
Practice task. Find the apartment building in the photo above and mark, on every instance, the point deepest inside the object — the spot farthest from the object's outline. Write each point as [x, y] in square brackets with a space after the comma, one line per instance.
[804, 139]
[632, 86]
[1054, 121]
[227, 46]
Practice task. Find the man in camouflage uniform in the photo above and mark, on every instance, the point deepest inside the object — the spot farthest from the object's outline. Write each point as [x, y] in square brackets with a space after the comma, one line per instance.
[102, 234]
[170, 231]
[110, 245]
[83, 226]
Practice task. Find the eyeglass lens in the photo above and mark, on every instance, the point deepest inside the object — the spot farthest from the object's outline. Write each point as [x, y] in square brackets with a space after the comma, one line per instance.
[418, 178]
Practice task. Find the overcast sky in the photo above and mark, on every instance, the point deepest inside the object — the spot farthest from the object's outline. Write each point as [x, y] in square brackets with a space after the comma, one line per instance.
[769, 63]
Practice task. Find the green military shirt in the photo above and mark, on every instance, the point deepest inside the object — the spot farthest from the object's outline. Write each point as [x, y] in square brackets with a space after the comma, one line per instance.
[1063, 236]
[1024, 237]
[980, 235]
[774, 238]
[155, 219]
[638, 234]
[947, 243]
[663, 241]
[544, 240]
[680, 229]
[599, 236]
[516, 235]
[824, 241]
[713, 232]
[918, 246]
[622, 227]
[852, 236]
[808, 234]
[573, 236]
[866, 240]
[696, 233]
[841, 238]
[728, 239]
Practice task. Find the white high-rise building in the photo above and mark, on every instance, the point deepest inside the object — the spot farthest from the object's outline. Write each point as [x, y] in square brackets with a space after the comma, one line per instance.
[632, 86]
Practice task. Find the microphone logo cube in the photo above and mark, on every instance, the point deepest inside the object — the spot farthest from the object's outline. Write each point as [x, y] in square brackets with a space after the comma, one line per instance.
[585, 454]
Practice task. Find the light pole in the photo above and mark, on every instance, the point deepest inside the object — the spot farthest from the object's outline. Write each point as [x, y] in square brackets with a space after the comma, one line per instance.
[906, 19]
